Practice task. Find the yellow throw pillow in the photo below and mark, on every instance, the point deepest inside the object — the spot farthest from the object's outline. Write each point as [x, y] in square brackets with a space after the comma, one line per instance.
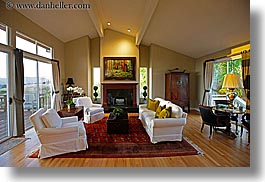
[158, 110]
[165, 113]
[152, 104]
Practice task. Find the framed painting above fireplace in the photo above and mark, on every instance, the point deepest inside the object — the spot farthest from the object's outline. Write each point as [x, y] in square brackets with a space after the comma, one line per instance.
[119, 68]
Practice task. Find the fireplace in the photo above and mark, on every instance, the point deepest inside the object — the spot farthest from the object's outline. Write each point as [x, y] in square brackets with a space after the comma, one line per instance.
[119, 94]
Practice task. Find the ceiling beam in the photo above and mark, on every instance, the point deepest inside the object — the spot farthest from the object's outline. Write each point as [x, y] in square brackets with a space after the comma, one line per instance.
[93, 13]
[150, 7]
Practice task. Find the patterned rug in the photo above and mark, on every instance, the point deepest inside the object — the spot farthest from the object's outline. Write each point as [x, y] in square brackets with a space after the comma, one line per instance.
[134, 144]
[10, 143]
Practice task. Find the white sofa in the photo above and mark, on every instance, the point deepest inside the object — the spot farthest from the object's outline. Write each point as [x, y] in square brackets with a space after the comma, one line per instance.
[167, 129]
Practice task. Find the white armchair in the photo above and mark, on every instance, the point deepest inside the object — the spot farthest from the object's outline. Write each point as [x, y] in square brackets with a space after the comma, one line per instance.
[92, 112]
[58, 135]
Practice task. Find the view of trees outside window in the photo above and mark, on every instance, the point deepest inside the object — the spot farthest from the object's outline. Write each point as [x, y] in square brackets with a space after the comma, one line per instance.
[223, 68]
[143, 80]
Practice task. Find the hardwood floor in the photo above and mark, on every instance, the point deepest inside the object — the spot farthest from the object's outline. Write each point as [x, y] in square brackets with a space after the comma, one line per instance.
[220, 151]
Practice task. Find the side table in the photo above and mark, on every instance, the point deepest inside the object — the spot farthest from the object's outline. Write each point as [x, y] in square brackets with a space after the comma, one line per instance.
[77, 111]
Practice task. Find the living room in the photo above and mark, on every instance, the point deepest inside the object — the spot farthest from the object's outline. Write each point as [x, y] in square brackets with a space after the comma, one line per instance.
[79, 55]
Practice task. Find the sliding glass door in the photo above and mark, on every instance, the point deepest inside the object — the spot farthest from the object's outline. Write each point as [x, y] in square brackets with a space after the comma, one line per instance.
[4, 95]
[30, 90]
[37, 87]
[45, 84]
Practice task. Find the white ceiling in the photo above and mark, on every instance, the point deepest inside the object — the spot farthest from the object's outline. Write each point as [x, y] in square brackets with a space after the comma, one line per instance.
[191, 27]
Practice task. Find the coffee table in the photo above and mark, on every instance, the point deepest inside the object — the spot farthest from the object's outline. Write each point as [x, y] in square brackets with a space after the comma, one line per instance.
[118, 125]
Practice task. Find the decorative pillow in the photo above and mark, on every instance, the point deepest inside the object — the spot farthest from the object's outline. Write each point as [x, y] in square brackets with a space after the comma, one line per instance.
[152, 104]
[51, 119]
[165, 113]
[158, 110]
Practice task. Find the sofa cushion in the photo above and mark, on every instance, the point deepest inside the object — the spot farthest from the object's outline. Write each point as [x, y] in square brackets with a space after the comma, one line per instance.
[165, 113]
[158, 110]
[51, 119]
[176, 110]
[152, 104]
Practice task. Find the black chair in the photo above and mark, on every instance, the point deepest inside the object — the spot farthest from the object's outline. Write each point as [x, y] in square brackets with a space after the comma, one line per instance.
[214, 120]
[245, 123]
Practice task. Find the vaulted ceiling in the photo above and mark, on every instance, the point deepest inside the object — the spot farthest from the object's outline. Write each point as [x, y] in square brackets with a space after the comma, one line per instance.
[191, 27]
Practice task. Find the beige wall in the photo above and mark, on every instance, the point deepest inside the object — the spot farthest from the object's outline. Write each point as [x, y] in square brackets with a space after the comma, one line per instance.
[20, 23]
[77, 63]
[161, 60]
[115, 44]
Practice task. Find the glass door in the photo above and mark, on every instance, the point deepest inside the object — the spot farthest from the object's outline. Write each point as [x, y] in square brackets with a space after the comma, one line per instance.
[31, 90]
[4, 95]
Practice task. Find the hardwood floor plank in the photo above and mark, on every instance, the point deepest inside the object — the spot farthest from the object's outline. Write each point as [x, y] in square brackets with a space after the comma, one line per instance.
[219, 151]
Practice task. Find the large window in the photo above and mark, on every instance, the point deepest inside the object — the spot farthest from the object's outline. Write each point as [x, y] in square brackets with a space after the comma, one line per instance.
[37, 75]
[30, 45]
[223, 68]
[3, 34]
[143, 80]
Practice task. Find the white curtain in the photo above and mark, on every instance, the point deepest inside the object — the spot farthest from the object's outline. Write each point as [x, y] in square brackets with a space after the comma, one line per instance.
[56, 98]
[208, 80]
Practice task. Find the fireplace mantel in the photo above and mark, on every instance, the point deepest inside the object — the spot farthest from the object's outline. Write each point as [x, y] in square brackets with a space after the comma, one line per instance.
[119, 86]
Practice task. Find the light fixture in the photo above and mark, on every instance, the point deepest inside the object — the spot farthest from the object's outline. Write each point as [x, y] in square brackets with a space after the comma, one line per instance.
[108, 23]
[232, 81]
[129, 30]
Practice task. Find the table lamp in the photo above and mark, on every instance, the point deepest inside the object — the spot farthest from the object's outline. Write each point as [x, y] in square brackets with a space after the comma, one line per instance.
[70, 82]
[232, 81]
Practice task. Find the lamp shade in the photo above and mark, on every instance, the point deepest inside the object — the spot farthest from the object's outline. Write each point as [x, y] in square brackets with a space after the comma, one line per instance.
[70, 81]
[232, 81]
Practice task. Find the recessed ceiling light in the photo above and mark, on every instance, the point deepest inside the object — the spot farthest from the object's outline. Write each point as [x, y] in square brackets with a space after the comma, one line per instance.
[108, 23]
[129, 30]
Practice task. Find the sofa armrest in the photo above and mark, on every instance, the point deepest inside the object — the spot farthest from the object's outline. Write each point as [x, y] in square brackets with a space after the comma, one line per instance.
[168, 122]
[141, 106]
[58, 131]
[184, 115]
[70, 119]
[96, 105]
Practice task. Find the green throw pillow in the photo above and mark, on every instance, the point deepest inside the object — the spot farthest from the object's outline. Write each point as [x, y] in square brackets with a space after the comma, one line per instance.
[152, 104]
[165, 113]
[158, 110]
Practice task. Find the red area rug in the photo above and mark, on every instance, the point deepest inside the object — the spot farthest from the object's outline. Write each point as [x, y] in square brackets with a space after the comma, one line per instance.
[134, 144]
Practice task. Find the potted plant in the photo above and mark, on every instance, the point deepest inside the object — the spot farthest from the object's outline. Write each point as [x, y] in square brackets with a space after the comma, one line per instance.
[118, 112]
[95, 93]
[145, 93]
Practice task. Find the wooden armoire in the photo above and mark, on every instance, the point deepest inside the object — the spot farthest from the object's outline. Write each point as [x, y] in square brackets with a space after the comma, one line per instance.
[178, 89]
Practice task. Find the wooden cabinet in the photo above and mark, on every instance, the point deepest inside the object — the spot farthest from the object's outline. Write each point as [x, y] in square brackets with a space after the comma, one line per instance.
[178, 89]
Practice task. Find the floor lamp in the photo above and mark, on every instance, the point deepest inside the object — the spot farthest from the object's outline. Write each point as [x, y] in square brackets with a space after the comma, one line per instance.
[231, 82]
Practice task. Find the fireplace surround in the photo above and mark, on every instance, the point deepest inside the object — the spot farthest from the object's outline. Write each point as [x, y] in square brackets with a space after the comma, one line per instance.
[119, 94]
